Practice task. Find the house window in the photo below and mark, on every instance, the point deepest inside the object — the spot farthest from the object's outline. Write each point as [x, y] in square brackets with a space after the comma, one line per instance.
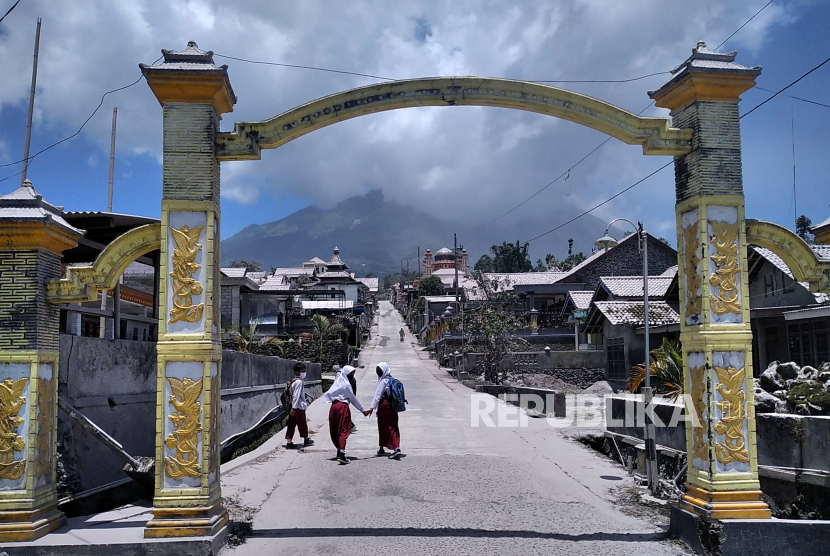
[809, 343]
[771, 343]
[616, 359]
[90, 326]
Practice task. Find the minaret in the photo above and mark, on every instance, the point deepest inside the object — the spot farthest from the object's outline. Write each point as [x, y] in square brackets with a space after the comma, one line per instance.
[428, 262]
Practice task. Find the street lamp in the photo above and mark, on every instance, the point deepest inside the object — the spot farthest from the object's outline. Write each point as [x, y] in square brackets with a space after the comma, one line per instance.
[651, 449]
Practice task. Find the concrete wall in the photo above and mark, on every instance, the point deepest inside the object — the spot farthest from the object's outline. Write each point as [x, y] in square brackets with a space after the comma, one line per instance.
[581, 368]
[251, 387]
[113, 382]
[791, 441]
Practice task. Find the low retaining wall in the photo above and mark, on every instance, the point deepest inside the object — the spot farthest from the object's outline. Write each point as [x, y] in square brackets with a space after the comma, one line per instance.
[113, 383]
[580, 368]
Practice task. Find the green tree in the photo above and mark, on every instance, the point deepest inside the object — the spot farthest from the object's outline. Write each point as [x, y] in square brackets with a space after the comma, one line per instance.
[540, 266]
[508, 257]
[431, 285]
[324, 329]
[802, 228]
[250, 266]
[665, 370]
[552, 263]
[484, 263]
[490, 327]
[572, 259]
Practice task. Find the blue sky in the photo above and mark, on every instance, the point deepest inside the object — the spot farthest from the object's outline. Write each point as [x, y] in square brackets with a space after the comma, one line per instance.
[482, 160]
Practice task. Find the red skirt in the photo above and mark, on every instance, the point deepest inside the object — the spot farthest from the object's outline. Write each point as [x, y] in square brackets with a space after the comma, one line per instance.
[340, 424]
[388, 434]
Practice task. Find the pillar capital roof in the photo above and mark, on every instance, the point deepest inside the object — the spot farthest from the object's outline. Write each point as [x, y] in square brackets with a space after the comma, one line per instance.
[190, 76]
[28, 223]
[705, 75]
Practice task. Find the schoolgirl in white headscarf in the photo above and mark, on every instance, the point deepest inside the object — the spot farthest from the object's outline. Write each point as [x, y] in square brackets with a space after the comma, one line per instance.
[340, 395]
[389, 436]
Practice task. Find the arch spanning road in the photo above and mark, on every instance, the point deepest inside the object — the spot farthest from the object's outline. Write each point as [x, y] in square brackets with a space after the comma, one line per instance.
[460, 490]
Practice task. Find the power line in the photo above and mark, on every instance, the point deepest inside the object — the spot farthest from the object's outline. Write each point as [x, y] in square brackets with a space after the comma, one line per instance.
[744, 25]
[632, 186]
[562, 175]
[296, 66]
[79, 129]
[795, 97]
[599, 80]
[757, 106]
[574, 219]
[10, 11]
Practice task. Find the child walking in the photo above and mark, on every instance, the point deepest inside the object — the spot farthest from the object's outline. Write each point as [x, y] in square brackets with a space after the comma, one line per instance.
[389, 436]
[296, 416]
[340, 395]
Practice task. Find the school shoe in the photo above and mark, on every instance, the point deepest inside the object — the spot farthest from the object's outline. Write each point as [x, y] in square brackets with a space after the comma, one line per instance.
[291, 446]
[396, 454]
[354, 429]
[342, 459]
[381, 452]
[308, 442]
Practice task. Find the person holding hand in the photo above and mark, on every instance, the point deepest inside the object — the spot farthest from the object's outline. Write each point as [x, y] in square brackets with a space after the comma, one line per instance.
[340, 395]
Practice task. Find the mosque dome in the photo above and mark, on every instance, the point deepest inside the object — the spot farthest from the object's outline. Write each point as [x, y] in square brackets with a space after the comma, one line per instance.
[444, 254]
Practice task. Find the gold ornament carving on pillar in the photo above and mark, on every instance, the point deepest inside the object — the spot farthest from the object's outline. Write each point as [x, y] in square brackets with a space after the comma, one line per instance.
[214, 424]
[184, 266]
[725, 240]
[11, 402]
[690, 252]
[187, 420]
[733, 415]
[45, 403]
[697, 377]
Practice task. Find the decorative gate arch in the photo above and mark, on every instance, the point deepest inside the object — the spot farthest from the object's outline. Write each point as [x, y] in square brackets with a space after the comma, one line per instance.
[654, 134]
[704, 138]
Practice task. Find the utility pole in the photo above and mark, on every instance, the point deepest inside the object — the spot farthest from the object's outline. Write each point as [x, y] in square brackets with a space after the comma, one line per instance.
[31, 107]
[112, 158]
[455, 264]
[419, 261]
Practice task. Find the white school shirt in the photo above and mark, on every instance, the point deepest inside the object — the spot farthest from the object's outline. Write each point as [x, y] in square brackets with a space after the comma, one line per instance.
[298, 394]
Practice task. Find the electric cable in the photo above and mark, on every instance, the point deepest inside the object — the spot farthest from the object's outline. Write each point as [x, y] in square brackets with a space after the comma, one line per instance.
[795, 97]
[10, 11]
[757, 106]
[744, 25]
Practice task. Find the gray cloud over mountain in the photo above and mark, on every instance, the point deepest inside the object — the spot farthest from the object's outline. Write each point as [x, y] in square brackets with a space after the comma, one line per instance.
[468, 163]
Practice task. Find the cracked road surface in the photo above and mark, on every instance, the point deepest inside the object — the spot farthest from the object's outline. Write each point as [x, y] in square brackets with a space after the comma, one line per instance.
[459, 490]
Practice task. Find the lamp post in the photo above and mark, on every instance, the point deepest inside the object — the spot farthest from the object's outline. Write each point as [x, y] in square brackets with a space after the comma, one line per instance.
[651, 449]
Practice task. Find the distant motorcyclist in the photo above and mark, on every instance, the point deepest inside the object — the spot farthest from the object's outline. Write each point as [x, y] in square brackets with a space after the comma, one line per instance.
[402, 334]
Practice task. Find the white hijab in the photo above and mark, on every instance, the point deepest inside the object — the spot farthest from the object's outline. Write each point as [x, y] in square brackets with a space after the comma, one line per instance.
[341, 390]
[383, 384]
[386, 371]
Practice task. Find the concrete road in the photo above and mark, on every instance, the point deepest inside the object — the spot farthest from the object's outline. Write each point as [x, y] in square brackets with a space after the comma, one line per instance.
[459, 490]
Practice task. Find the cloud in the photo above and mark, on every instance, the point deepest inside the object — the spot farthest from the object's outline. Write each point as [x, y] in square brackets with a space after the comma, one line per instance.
[483, 159]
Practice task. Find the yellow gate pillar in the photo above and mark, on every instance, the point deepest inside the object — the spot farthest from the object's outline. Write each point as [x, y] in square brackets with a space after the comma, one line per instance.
[33, 234]
[193, 93]
[703, 95]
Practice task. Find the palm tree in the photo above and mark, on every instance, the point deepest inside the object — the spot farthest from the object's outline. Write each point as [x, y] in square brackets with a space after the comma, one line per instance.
[665, 370]
[246, 339]
[324, 329]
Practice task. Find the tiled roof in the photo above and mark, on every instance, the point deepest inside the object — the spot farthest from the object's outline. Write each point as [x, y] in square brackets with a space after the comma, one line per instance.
[670, 272]
[316, 260]
[820, 225]
[597, 255]
[274, 283]
[257, 276]
[234, 272]
[632, 286]
[526, 278]
[822, 252]
[581, 299]
[631, 312]
[293, 271]
[25, 204]
[335, 274]
[371, 283]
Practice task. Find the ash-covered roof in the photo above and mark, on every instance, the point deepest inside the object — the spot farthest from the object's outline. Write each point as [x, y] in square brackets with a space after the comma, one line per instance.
[526, 278]
[27, 205]
[371, 283]
[274, 283]
[622, 287]
[234, 272]
[632, 312]
[581, 299]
